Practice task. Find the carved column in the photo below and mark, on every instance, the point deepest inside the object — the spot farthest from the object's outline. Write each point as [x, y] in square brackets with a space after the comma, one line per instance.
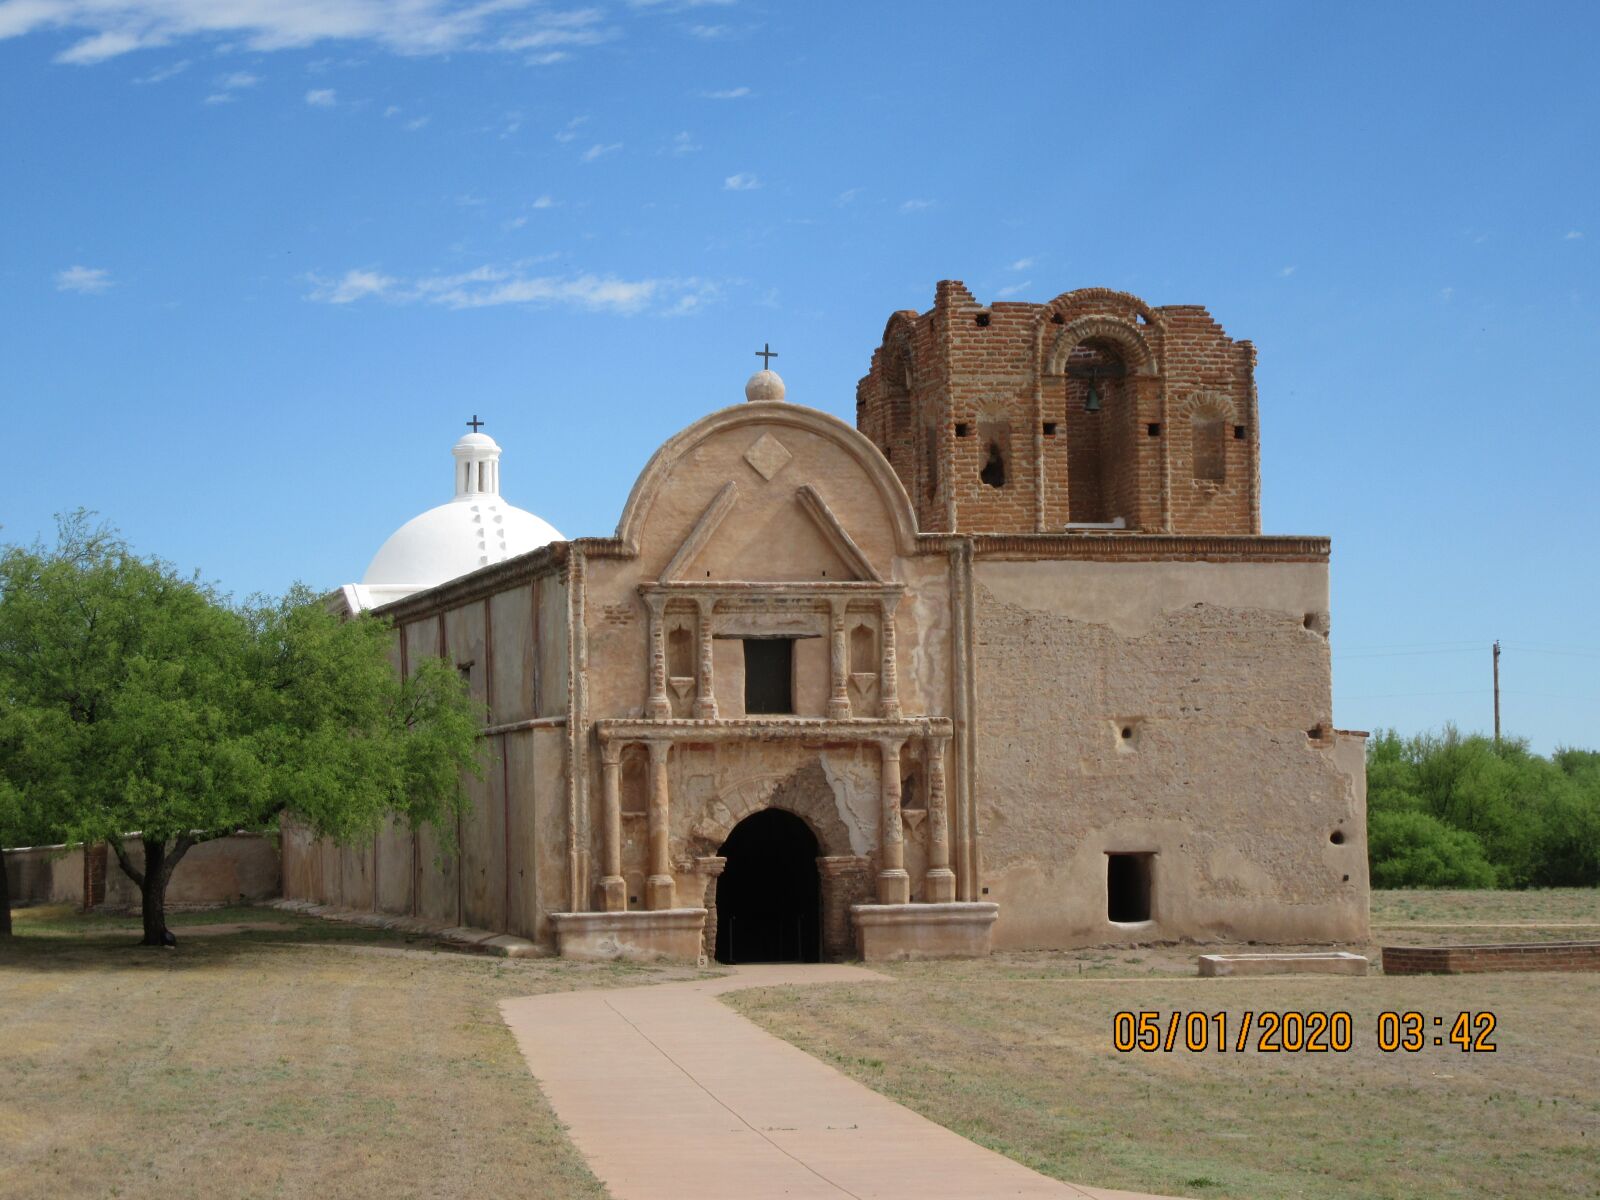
[888, 683]
[710, 867]
[613, 890]
[939, 884]
[894, 885]
[838, 664]
[705, 699]
[658, 707]
[658, 888]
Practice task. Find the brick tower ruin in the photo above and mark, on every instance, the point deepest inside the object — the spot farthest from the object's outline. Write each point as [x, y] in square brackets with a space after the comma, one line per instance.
[1092, 412]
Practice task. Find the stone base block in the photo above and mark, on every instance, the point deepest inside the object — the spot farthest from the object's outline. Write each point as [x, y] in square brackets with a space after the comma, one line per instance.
[885, 932]
[1331, 962]
[671, 934]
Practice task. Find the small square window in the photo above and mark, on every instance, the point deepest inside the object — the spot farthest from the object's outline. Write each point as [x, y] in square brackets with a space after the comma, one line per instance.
[1238, 433]
[963, 429]
[1049, 429]
[1153, 429]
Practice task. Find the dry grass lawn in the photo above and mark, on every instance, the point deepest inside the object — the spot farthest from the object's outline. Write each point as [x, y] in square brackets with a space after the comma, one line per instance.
[313, 1060]
[1017, 1054]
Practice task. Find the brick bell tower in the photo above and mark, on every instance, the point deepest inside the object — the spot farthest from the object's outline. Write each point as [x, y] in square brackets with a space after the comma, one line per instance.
[1092, 414]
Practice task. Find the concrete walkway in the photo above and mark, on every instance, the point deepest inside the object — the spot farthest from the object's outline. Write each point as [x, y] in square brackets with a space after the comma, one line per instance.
[671, 1095]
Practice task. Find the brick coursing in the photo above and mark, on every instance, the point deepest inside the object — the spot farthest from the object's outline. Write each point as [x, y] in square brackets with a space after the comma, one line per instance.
[1470, 960]
[949, 386]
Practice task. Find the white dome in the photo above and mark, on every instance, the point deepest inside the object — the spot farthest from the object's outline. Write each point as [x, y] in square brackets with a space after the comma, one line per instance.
[475, 529]
[455, 539]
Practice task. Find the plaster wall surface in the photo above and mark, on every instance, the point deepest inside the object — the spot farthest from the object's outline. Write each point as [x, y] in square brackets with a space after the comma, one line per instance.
[1180, 710]
[243, 866]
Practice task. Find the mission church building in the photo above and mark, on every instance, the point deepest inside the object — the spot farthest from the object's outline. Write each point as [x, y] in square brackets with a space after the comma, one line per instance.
[1010, 664]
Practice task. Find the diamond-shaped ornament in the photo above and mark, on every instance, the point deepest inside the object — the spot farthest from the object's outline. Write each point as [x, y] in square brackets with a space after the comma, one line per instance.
[768, 456]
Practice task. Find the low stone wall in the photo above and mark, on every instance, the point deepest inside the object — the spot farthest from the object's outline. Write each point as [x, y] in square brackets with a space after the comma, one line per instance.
[242, 867]
[1468, 960]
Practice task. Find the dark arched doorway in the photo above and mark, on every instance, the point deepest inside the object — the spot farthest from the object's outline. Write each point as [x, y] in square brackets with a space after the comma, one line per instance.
[768, 899]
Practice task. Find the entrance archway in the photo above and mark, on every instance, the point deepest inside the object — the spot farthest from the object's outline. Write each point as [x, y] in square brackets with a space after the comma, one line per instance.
[769, 899]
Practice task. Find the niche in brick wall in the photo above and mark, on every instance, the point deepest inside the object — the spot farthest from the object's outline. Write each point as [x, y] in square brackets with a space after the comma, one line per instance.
[1100, 448]
[996, 439]
[1207, 432]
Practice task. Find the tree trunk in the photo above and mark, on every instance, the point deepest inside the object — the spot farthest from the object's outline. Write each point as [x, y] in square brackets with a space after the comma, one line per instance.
[153, 892]
[5, 898]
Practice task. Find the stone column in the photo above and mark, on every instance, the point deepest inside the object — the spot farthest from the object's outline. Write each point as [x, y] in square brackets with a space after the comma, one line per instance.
[658, 707]
[710, 867]
[888, 683]
[838, 663]
[613, 890]
[705, 699]
[939, 884]
[658, 888]
[894, 885]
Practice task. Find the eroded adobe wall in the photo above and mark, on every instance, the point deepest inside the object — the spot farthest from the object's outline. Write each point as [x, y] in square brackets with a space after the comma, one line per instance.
[1230, 773]
[507, 868]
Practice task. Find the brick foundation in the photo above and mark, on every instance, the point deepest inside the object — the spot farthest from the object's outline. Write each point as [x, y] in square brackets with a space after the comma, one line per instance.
[1470, 960]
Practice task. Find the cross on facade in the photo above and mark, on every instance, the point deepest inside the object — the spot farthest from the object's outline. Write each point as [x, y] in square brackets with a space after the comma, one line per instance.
[766, 354]
[475, 423]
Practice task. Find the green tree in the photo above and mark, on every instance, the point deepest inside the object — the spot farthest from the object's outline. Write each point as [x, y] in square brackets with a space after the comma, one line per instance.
[141, 702]
[1415, 849]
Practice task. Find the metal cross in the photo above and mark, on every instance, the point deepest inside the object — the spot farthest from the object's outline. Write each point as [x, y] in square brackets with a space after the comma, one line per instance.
[766, 354]
[475, 423]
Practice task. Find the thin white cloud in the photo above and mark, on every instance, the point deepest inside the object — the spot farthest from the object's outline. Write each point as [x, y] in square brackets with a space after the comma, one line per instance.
[710, 33]
[1014, 288]
[1022, 264]
[86, 281]
[910, 206]
[741, 183]
[105, 29]
[1574, 235]
[847, 196]
[600, 151]
[352, 286]
[1446, 294]
[738, 93]
[1287, 271]
[162, 74]
[322, 97]
[416, 123]
[491, 286]
[392, 111]
[682, 143]
[544, 202]
[513, 223]
[220, 98]
[238, 80]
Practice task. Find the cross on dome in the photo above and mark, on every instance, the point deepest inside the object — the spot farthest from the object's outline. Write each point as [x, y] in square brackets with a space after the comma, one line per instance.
[766, 354]
[475, 423]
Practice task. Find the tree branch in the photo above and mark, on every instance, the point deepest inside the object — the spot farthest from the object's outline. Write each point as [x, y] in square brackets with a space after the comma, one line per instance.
[126, 863]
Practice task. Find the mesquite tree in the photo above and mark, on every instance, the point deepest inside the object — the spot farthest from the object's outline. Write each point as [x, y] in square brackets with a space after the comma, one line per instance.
[143, 707]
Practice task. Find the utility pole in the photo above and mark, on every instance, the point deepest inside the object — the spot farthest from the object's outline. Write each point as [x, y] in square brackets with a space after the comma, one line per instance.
[1497, 692]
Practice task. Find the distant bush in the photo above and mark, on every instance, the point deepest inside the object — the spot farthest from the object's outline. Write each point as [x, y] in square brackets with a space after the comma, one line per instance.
[1446, 810]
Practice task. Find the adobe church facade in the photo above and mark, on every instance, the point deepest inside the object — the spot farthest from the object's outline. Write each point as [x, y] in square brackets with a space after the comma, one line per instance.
[1009, 665]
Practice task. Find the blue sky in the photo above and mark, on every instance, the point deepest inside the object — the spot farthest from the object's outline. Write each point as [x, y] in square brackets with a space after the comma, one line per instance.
[262, 260]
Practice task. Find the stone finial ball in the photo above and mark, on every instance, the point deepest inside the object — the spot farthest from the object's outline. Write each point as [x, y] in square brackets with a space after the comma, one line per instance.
[764, 385]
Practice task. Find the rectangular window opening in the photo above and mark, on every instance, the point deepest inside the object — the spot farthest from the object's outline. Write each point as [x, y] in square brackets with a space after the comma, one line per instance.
[768, 675]
[1128, 887]
[1238, 433]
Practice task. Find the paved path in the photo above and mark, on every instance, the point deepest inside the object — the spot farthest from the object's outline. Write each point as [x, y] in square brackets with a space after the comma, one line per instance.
[671, 1095]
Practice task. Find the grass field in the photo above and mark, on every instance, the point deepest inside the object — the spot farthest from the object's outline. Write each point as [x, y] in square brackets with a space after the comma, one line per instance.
[275, 1055]
[1017, 1053]
[316, 1059]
